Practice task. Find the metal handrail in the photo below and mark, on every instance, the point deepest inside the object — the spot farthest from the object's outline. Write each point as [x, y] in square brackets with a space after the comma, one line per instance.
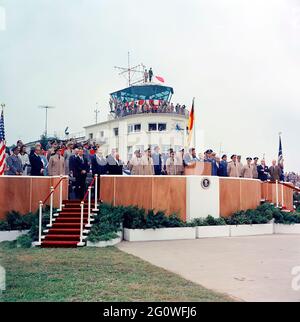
[41, 204]
[54, 188]
[89, 195]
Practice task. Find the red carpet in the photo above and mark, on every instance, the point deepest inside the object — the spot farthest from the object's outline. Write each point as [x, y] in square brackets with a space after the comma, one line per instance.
[65, 230]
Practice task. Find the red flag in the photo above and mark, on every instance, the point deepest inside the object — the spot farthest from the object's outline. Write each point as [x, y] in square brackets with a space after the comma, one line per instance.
[159, 78]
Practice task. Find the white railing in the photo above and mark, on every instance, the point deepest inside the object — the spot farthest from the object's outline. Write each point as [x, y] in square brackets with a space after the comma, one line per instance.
[88, 195]
[42, 203]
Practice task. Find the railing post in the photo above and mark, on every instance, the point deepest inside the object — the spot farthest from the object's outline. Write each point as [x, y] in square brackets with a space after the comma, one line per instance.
[282, 196]
[40, 221]
[96, 193]
[81, 221]
[276, 190]
[60, 193]
[51, 205]
[89, 204]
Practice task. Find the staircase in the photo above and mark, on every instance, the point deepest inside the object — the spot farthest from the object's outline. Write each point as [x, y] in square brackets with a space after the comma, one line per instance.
[65, 229]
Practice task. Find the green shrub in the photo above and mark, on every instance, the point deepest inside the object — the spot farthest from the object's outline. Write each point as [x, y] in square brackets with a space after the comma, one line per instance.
[107, 223]
[134, 217]
[24, 241]
[15, 221]
[4, 225]
[209, 221]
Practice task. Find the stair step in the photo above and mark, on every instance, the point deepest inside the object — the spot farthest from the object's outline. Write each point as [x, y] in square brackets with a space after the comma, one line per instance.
[73, 213]
[63, 231]
[77, 214]
[71, 220]
[65, 224]
[63, 244]
[66, 237]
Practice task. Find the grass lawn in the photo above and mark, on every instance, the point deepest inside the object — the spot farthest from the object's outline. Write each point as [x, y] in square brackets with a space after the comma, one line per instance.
[91, 274]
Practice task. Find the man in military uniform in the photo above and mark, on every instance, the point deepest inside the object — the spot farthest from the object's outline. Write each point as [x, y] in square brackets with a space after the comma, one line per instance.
[233, 168]
[247, 169]
[255, 173]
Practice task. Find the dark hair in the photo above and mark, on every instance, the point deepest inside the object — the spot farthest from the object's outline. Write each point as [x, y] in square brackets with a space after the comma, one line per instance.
[15, 148]
[224, 156]
[22, 147]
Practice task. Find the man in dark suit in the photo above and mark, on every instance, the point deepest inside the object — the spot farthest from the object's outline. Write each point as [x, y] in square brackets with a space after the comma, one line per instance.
[157, 161]
[222, 172]
[37, 166]
[112, 163]
[80, 170]
[72, 160]
[99, 163]
[262, 171]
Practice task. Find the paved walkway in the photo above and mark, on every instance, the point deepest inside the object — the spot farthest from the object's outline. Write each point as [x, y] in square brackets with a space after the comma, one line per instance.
[256, 268]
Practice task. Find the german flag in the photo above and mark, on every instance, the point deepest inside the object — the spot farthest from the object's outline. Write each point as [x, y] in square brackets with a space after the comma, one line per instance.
[191, 123]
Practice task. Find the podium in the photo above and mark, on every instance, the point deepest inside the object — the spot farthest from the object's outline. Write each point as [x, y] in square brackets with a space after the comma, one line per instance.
[198, 169]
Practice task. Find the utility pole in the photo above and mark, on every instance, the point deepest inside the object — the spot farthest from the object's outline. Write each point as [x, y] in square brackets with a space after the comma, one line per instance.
[96, 111]
[46, 107]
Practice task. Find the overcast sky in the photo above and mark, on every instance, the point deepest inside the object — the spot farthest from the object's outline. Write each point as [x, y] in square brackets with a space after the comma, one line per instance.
[239, 58]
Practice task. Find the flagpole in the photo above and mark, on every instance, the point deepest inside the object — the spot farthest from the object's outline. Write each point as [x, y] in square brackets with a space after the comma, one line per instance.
[194, 125]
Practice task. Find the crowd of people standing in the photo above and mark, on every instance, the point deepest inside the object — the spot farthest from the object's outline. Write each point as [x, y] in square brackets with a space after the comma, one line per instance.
[81, 161]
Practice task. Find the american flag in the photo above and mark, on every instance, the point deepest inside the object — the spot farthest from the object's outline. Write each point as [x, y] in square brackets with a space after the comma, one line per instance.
[2, 144]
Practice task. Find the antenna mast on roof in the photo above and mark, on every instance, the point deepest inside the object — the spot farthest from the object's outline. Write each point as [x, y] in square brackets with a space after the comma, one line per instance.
[130, 72]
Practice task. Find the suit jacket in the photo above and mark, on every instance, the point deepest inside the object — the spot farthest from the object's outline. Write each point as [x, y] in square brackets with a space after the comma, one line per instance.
[233, 170]
[135, 165]
[80, 165]
[157, 161]
[247, 171]
[36, 165]
[275, 172]
[72, 162]
[56, 166]
[147, 165]
[255, 172]
[262, 172]
[99, 166]
[14, 164]
[222, 172]
[113, 167]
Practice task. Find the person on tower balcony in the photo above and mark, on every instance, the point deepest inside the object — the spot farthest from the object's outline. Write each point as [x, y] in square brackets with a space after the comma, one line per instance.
[150, 74]
[145, 76]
